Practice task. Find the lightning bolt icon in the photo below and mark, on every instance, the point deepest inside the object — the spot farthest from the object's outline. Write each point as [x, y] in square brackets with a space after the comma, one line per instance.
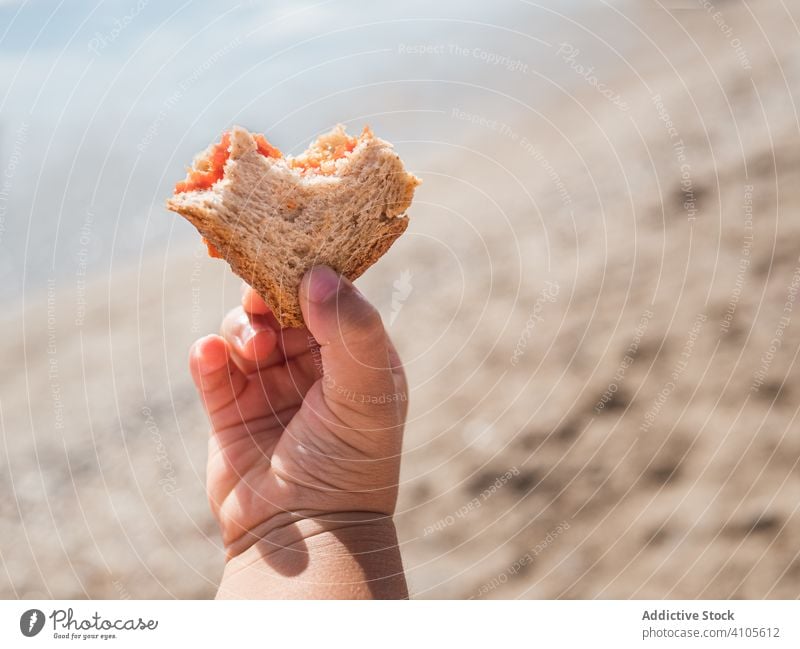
[32, 621]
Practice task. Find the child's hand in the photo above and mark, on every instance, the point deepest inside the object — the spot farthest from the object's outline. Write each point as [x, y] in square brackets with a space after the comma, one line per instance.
[305, 445]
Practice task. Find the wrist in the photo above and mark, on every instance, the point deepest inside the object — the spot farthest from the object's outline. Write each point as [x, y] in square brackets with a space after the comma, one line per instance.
[317, 555]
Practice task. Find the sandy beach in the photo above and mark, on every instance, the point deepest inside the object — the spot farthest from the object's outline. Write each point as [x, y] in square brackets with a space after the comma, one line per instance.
[597, 305]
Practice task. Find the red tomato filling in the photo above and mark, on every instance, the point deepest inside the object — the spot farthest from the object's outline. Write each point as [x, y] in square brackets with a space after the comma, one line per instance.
[322, 155]
[211, 169]
[318, 159]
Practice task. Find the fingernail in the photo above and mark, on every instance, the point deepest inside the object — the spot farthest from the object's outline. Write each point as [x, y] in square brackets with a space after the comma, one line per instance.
[244, 330]
[323, 283]
[245, 334]
[207, 358]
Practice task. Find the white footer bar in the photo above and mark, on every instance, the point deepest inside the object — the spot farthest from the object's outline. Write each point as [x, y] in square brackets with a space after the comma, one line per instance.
[324, 625]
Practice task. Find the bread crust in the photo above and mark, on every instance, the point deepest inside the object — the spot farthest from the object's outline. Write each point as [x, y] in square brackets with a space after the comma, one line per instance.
[273, 223]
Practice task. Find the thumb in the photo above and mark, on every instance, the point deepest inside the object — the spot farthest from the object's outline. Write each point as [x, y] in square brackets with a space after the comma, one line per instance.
[354, 346]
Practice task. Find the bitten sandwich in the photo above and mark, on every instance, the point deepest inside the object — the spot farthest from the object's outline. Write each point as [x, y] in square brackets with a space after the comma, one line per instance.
[341, 203]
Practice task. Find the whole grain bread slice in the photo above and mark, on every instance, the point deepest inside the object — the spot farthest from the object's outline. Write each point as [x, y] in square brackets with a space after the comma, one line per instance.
[272, 222]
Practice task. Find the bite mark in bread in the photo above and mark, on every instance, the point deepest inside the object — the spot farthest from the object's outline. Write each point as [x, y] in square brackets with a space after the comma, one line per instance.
[342, 203]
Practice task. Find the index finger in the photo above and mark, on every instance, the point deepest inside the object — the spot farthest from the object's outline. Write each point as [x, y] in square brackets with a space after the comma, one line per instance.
[291, 342]
[252, 302]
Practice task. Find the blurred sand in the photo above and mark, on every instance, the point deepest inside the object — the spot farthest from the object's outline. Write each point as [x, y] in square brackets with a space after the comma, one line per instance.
[685, 484]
